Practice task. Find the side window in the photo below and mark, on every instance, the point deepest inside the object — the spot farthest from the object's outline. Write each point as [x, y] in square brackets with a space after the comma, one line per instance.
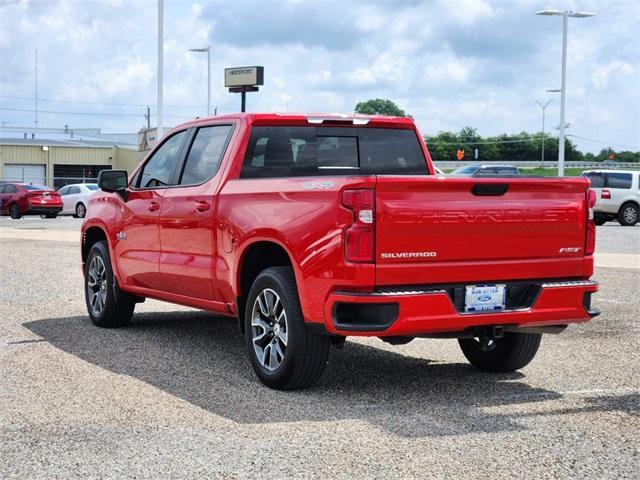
[74, 190]
[10, 189]
[64, 191]
[205, 154]
[158, 170]
[619, 180]
[2, 187]
[597, 179]
[385, 151]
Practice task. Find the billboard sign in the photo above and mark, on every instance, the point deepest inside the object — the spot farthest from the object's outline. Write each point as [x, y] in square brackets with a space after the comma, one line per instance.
[243, 76]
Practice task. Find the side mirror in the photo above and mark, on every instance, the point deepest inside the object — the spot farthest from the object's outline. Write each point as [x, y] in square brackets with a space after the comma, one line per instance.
[114, 181]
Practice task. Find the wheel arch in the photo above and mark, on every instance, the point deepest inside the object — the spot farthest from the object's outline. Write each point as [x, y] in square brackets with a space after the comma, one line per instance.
[90, 237]
[256, 257]
[628, 201]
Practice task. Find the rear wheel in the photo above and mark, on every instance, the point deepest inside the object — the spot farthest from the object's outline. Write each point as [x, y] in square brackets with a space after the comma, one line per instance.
[81, 210]
[14, 210]
[629, 214]
[108, 306]
[511, 352]
[283, 352]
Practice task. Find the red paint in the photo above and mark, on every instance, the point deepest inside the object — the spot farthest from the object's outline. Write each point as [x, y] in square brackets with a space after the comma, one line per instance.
[29, 201]
[187, 244]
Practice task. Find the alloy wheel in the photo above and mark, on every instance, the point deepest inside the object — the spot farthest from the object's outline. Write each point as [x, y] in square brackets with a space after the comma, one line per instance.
[97, 283]
[630, 215]
[269, 329]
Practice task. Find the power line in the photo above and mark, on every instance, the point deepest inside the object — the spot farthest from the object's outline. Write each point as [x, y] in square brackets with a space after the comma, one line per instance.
[604, 143]
[88, 114]
[489, 142]
[82, 102]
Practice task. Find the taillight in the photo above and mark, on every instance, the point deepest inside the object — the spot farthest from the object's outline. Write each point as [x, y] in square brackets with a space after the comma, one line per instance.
[606, 195]
[359, 237]
[590, 240]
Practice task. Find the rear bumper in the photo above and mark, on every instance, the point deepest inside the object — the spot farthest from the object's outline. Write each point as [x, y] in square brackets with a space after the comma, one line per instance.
[39, 209]
[419, 312]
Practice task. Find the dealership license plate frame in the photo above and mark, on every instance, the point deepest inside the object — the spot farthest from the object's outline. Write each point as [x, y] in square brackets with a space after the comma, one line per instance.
[485, 298]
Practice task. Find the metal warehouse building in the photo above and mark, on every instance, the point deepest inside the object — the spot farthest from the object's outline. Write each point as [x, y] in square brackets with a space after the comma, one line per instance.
[58, 162]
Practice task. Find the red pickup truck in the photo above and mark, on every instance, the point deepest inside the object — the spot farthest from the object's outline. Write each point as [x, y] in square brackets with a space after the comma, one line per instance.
[311, 228]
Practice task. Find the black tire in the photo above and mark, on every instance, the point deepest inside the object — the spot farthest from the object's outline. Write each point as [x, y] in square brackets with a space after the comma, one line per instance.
[509, 353]
[629, 214]
[118, 305]
[81, 210]
[14, 211]
[306, 352]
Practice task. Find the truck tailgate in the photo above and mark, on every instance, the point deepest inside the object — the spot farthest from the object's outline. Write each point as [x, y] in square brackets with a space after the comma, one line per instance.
[432, 230]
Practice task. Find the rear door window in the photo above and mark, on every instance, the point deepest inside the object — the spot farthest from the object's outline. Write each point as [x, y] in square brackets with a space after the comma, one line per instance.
[205, 154]
[322, 151]
[619, 180]
[596, 178]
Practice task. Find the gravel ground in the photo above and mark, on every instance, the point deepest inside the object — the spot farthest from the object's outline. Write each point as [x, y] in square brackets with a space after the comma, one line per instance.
[173, 395]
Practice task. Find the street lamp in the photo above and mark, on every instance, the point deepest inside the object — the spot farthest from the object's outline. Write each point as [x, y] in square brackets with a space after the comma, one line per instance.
[208, 50]
[565, 14]
[543, 106]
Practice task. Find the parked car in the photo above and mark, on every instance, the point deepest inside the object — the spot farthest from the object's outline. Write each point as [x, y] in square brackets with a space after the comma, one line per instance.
[75, 198]
[617, 195]
[20, 199]
[486, 171]
[309, 229]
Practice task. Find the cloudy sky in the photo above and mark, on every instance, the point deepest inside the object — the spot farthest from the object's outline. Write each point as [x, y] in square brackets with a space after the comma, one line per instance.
[449, 63]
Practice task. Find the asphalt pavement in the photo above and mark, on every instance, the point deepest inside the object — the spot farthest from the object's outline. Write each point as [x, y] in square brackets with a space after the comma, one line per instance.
[173, 395]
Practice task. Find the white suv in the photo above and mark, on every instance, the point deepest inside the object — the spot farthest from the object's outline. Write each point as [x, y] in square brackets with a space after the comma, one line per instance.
[617, 195]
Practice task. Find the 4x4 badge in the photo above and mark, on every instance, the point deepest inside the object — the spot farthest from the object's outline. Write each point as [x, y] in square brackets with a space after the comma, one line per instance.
[121, 236]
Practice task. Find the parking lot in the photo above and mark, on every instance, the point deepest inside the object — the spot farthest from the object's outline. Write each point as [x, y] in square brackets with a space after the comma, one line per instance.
[173, 394]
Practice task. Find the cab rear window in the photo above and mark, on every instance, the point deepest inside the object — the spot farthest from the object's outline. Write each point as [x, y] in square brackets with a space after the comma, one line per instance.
[322, 151]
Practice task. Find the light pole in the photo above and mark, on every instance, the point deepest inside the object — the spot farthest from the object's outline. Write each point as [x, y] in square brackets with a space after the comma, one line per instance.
[565, 14]
[208, 50]
[543, 106]
[159, 132]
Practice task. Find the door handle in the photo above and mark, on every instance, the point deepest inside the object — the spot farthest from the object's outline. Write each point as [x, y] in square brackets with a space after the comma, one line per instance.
[202, 206]
[153, 206]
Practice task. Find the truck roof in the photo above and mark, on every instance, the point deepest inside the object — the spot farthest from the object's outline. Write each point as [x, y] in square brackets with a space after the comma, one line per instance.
[308, 119]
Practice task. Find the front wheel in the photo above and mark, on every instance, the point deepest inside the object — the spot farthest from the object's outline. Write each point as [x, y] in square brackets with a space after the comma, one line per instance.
[629, 215]
[283, 352]
[108, 306]
[511, 352]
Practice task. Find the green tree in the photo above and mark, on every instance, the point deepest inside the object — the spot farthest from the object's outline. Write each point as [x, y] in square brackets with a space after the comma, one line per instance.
[379, 106]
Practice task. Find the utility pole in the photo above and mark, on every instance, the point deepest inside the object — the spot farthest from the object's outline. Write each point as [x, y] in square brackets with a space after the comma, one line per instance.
[148, 117]
[160, 68]
[36, 122]
[543, 106]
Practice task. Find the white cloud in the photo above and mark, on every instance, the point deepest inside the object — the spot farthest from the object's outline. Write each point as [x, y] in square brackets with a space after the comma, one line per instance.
[448, 63]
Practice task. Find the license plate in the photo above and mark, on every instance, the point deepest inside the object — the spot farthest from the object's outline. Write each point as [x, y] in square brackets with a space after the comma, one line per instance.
[484, 298]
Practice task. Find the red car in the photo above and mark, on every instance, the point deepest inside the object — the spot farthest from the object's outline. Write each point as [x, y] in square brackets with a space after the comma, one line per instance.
[18, 199]
[311, 228]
